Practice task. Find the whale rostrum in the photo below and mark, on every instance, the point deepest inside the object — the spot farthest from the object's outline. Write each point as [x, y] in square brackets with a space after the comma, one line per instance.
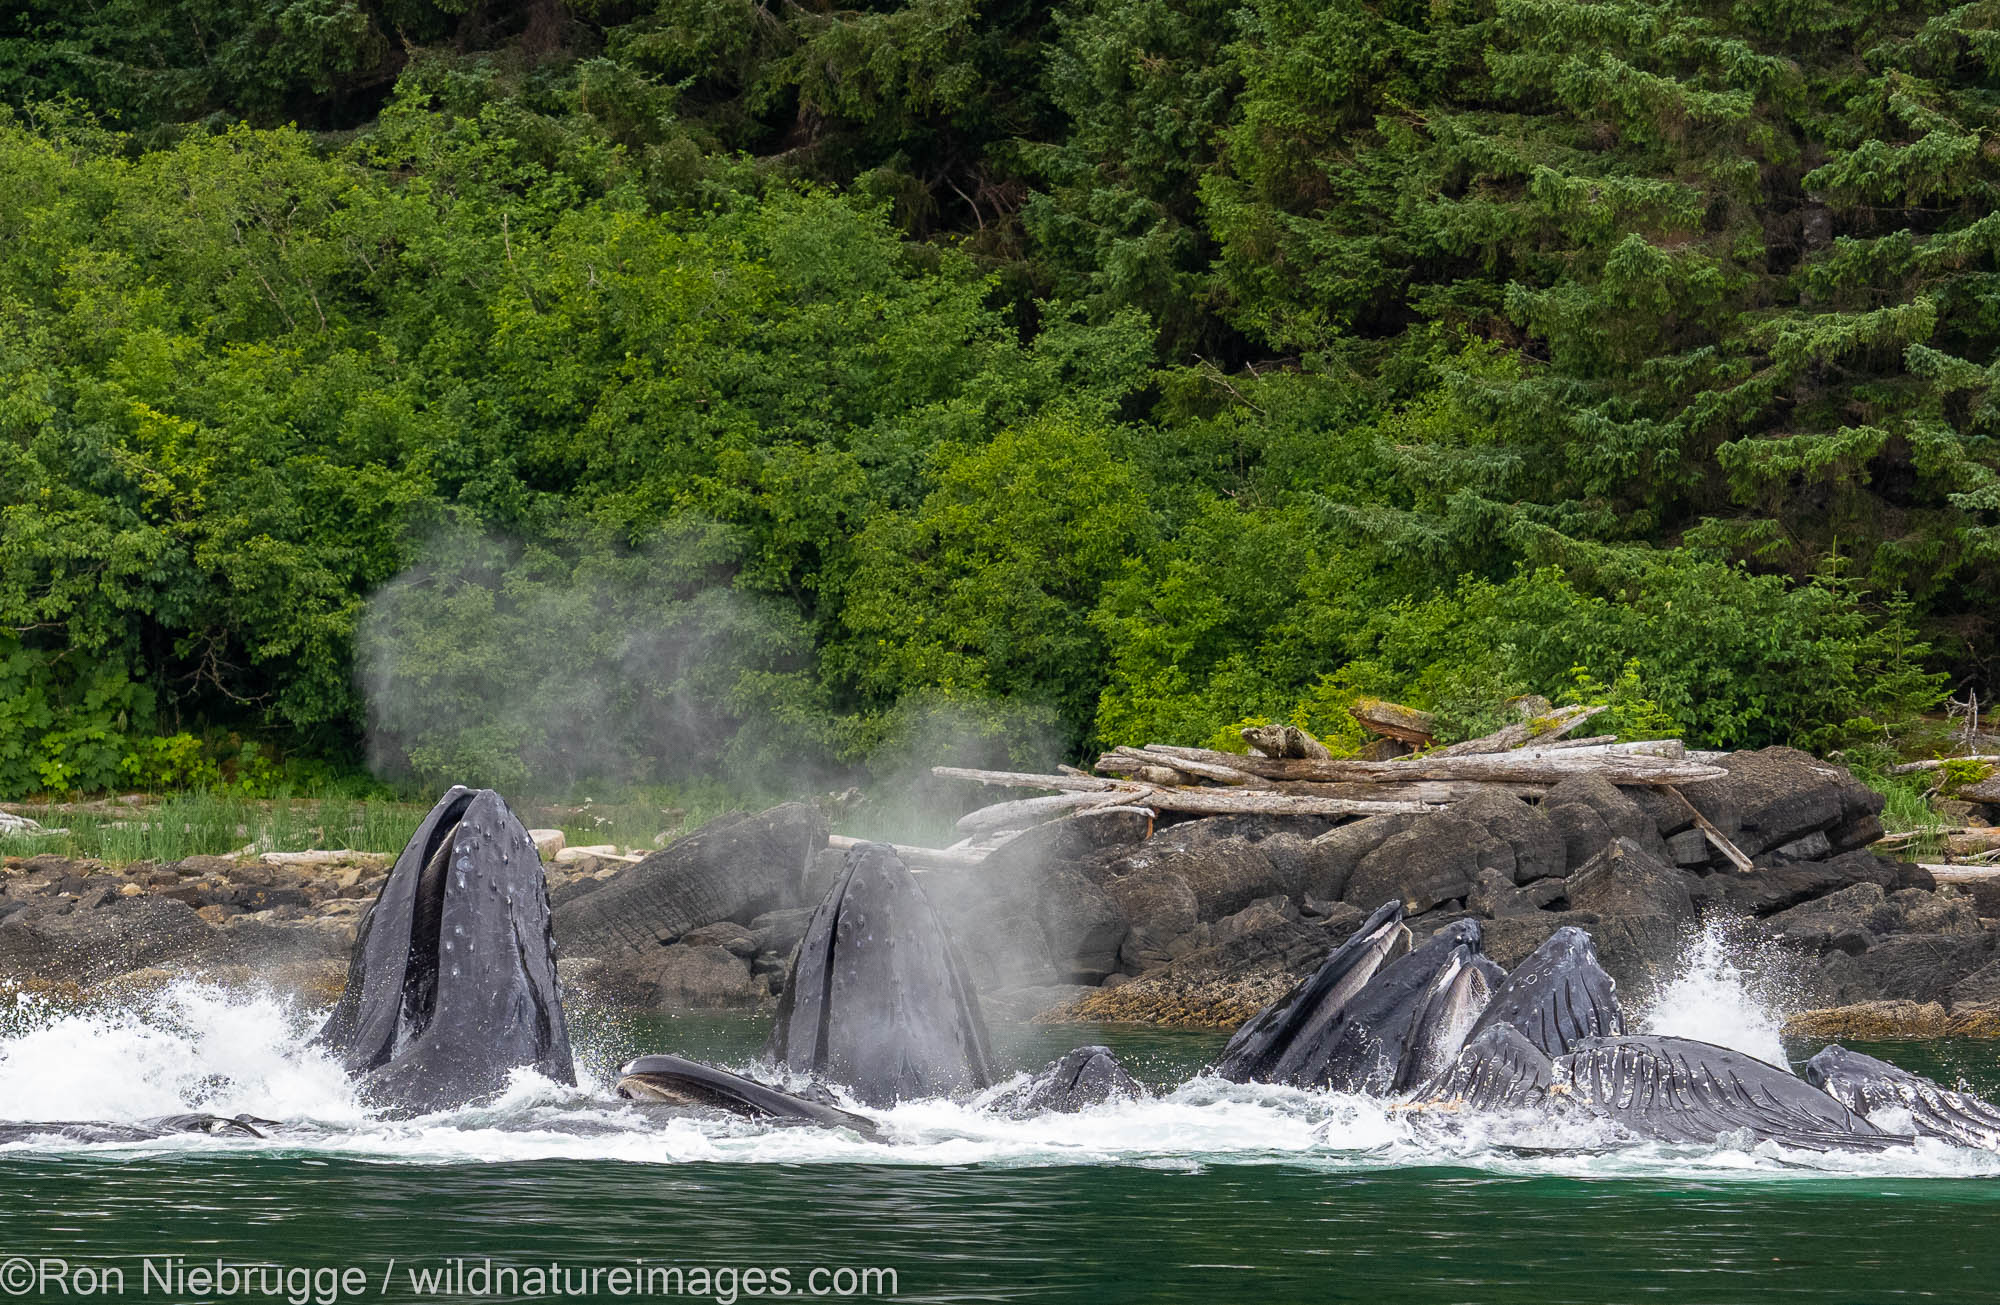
[877, 999]
[452, 984]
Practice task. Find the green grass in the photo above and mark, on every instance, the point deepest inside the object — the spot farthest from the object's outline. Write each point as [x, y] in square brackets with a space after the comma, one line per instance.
[1906, 809]
[197, 824]
[215, 824]
[174, 826]
[1906, 802]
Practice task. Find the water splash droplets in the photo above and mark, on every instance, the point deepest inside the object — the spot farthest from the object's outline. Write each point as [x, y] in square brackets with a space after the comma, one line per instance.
[1727, 991]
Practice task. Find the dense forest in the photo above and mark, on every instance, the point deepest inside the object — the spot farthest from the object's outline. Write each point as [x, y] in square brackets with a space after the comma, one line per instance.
[670, 387]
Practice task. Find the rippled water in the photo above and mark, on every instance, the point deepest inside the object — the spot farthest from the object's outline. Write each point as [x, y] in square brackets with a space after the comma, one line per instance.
[1211, 1192]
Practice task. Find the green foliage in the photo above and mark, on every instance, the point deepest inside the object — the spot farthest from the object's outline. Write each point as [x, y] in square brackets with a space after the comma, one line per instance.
[686, 388]
[984, 590]
[1676, 644]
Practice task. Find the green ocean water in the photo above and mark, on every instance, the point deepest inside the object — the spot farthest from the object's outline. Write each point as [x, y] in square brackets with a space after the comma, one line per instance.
[1214, 1194]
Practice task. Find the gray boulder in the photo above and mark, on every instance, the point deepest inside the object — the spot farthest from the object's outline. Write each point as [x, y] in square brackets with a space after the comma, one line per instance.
[1225, 872]
[1495, 895]
[780, 931]
[1571, 805]
[1082, 925]
[1849, 920]
[1918, 967]
[1437, 859]
[1626, 878]
[1534, 840]
[735, 868]
[732, 937]
[1330, 859]
[1942, 911]
[1160, 909]
[89, 945]
[677, 978]
[1776, 796]
[1777, 883]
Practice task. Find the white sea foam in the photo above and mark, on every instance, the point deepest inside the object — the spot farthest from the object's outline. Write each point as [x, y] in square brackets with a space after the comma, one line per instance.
[1724, 993]
[196, 1047]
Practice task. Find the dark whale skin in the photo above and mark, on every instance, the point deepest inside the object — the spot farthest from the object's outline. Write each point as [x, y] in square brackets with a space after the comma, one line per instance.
[1498, 1070]
[1680, 1090]
[877, 999]
[1867, 1086]
[1285, 1042]
[1558, 996]
[679, 1081]
[1382, 1025]
[452, 983]
[1082, 1077]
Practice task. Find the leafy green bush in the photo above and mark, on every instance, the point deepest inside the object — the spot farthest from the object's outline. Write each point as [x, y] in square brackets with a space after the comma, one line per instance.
[1675, 643]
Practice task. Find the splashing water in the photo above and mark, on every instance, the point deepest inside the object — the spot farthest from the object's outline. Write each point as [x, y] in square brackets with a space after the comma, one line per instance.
[197, 1047]
[190, 1046]
[1715, 999]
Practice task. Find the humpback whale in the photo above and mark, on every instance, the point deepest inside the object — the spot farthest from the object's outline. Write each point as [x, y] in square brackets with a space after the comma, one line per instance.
[680, 1082]
[452, 983]
[1403, 1018]
[144, 1130]
[1287, 1040]
[877, 999]
[1871, 1087]
[1080, 1078]
[1498, 1070]
[1445, 1030]
[1681, 1090]
[1558, 996]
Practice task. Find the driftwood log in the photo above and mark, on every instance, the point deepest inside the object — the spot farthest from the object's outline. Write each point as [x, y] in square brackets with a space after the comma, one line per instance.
[1939, 763]
[1141, 763]
[1291, 773]
[1394, 721]
[1539, 729]
[1529, 765]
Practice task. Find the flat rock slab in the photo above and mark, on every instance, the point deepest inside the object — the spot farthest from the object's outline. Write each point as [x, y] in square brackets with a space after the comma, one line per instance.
[1878, 1021]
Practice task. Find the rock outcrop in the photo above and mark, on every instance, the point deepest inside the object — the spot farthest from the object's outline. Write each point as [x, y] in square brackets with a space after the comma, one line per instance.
[1198, 922]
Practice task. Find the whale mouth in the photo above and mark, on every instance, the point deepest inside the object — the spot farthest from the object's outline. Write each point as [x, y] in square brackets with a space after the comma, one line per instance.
[1284, 1041]
[452, 984]
[1458, 997]
[675, 1081]
[666, 1090]
[420, 966]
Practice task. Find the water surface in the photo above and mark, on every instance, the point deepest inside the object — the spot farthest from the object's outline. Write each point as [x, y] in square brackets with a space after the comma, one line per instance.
[1212, 1192]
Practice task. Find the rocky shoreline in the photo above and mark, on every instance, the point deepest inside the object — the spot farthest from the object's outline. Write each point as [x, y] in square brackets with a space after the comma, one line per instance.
[1119, 916]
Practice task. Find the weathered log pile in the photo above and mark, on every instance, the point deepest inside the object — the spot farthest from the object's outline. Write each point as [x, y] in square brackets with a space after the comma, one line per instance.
[1289, 773]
